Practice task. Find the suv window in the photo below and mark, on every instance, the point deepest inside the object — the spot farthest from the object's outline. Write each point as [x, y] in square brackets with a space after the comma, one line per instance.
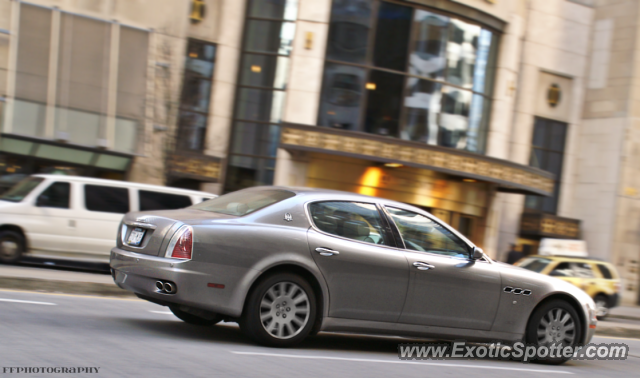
[56, 195]
[150, 200]
[352, 220]
[572, 269]
[422, 234]
[606, 273]
[107, 199]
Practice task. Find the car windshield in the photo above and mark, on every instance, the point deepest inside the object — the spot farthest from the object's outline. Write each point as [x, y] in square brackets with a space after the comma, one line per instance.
[243, 202]
[535, 264]
[21, 189]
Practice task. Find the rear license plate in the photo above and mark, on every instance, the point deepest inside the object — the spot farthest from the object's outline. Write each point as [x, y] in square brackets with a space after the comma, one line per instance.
[135, 237]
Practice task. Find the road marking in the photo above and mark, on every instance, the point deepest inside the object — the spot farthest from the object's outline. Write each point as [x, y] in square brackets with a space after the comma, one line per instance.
[402, 362]
[29, 302]
[162, 312]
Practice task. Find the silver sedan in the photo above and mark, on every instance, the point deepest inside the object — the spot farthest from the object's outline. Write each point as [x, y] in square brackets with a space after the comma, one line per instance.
[289, 262]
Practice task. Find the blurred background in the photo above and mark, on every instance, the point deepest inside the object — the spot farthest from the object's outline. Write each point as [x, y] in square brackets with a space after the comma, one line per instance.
[512, 120]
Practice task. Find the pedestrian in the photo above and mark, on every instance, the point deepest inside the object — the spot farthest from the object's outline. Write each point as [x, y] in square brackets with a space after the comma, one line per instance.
[514, 254]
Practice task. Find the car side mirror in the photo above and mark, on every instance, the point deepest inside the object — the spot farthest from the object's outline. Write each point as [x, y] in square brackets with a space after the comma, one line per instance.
[477, 253]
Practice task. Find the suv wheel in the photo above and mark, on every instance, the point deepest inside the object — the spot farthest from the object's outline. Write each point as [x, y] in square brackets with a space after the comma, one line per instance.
[555, 322]
[602, 306]
[11, 246]
[280, 311]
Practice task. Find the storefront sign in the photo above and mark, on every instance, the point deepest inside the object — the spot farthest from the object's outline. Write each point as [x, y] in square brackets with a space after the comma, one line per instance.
[509, 176]
[539, 225]
[201, 167]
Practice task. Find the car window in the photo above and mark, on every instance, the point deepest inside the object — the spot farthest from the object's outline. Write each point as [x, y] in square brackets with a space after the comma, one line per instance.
[422, 234]
[535, 264]
[572, 269]
[243, 202]
[56, 195]
[150, 200]
[21, 189]
[107, 199]
[606, 273]
[352, 220]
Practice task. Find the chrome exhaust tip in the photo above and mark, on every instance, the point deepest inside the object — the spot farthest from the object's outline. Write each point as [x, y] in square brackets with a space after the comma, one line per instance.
[169, 288]
[159, 286]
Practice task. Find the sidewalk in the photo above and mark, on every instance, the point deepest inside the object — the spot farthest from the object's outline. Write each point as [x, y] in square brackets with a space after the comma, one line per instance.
[622, 322]
[59, 281]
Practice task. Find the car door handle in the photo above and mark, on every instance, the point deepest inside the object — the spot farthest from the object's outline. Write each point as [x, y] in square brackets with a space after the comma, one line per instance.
[326, 251]
[423, 266]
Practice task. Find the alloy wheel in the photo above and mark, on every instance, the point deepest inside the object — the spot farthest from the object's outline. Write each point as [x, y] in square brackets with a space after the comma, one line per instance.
[557, 327]
[9, 248]
[284, 310]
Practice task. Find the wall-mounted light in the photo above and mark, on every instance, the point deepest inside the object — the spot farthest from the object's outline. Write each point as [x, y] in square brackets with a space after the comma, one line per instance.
[256, 69]
[193, 55]
[308, 40]
[371, 86]
[393, 165]
[469, 180]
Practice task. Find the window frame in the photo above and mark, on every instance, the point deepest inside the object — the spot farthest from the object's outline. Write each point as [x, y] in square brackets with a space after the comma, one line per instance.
[396, 231]
[387, 228]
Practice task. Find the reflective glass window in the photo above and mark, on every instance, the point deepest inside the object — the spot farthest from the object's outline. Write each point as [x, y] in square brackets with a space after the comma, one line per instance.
[421, 109]
[384, 102]
[454, 117]
[255, 139]
[192, 130]
[461, 53]
[429, 43]
[349, 30]
[265, 71]
[106, 199]
[420, 233]
[392, 36]
[269, 36]
[277, 9]
[351, 220]
[260, 104]
[56, 195]
[150, 200]
[341, 100]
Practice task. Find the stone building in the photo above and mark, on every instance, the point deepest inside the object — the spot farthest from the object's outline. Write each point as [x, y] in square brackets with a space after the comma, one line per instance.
[512, 120]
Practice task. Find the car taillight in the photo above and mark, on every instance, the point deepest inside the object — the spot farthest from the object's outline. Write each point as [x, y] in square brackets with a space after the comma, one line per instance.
[617, 286]
[181, 244]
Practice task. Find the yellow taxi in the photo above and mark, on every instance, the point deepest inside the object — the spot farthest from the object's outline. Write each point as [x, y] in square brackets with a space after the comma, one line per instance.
[598, 278]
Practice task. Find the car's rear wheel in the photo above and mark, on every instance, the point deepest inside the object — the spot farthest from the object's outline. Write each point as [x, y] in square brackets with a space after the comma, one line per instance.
[555, 322]
[194, 319]
[11, 246]
[280, 311]
[602, 306]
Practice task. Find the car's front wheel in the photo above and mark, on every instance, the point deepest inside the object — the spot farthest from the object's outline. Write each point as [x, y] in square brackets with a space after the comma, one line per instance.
[555, 322]
[11, 247]
[280, 311]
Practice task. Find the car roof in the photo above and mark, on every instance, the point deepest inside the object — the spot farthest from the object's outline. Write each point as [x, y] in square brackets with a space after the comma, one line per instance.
[311, 194]
[572, 258]
[128, 184]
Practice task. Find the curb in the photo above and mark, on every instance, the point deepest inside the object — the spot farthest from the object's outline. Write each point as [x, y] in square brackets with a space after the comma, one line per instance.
[67, 287]
[627, 333]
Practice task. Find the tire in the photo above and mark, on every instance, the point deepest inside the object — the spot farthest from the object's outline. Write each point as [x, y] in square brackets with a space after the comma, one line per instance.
[602, 306]
[11, 246]
[281, 295]
[193, 319]
[569, 333]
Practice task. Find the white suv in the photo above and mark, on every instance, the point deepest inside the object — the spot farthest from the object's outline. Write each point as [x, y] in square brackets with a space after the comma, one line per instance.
[76, 218]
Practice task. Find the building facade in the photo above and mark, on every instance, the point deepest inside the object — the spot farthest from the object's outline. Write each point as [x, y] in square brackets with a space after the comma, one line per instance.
[512, 120]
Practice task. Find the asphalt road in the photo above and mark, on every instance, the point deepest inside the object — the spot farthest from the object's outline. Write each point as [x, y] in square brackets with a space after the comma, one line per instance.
[128, 337]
